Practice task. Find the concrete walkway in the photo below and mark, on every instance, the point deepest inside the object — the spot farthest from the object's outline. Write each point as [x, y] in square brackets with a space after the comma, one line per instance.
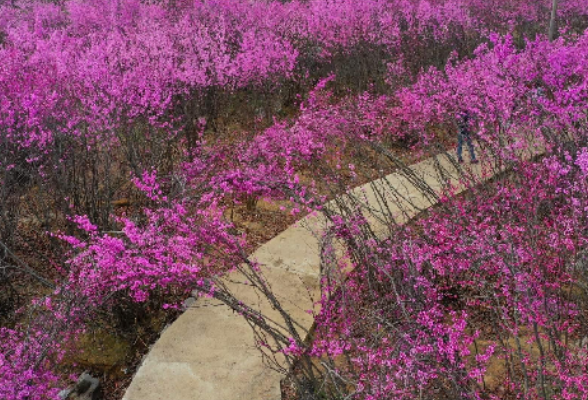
[209, 353]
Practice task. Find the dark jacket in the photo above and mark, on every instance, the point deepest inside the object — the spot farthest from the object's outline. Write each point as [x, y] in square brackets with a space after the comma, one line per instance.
[463, 120]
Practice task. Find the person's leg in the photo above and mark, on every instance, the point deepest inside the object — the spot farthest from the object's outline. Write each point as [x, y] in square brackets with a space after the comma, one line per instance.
[471, 148]
[459, 146]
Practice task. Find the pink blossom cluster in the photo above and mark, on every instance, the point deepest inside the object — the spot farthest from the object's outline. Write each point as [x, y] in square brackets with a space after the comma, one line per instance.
[174, 247]
[24, 374]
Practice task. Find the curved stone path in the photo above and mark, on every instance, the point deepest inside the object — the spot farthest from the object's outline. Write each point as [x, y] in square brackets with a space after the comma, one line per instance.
[208, 353]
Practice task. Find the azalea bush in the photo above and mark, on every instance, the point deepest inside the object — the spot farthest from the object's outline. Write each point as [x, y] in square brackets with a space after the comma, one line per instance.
[482, 298]
[24, 377]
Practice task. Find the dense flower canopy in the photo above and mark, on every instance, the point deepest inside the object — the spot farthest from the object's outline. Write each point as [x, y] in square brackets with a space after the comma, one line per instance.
[105, 98]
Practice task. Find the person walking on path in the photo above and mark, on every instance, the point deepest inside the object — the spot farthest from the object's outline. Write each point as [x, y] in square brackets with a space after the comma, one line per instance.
[464, 135]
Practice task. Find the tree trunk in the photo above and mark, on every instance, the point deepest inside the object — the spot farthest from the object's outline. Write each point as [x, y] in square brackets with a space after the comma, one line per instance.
[553, 22]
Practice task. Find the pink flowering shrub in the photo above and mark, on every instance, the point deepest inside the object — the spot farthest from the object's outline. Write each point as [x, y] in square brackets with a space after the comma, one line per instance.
[172, 248]
[483, 269]
[22, 377]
